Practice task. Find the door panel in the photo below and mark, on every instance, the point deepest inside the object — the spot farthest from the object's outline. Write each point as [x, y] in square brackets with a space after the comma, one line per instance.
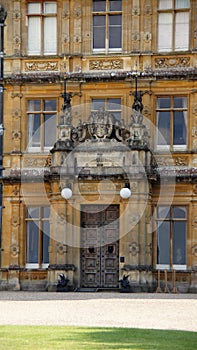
[99, 246]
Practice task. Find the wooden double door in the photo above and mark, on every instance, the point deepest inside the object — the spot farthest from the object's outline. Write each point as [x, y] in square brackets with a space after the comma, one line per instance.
[99, 246]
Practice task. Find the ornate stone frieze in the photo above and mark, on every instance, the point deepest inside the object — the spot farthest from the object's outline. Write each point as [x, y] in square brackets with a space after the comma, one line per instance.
[41, 66]
[105, 64]
[35, 162]
[172, 62]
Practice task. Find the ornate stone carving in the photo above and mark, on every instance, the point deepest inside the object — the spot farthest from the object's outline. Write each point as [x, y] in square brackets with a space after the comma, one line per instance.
[16, 15]
[61, 248]
[194, 109]
[135, 11]
[16, 113]
[194, 250]
[149, 249]
[134, 248]
[15, 220]
[147, 10]
[47, 162]
[14, 250]
[66, 38]
[16, 94]
[15, 191]
[77, 12]
[172, 62]
[181, 161]
[34, 162]
[16, 134]
[147, 37]
[100, 124]
[135, 36]
[41, 66]
[77, 38]
[17, 40]
[105, 64]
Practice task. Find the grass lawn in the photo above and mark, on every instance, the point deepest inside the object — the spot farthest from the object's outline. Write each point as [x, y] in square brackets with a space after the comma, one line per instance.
[78, 338]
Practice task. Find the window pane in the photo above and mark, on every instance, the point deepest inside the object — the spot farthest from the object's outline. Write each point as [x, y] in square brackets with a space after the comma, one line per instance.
[179, 243]
[179, 212]
[99, 5]
[34, 36]
[114, 104]
[115, 31]
[117, 115]
[182, 31]
[50, 8]
[181, 4]
[34, 129]
[33, 212]
[99, 32]
[34, 105]
[49, 130]
[165, 32]
[163, 243]
[180, 102]
[163, 103]
[115, 5]
[50, 35]
[163, 128]
[98, 103]
[46, 212]
[32, 242]
[163, 212]
[49, 105]
[165, 4]
[179, 132]
[34, 8]
[45, 242]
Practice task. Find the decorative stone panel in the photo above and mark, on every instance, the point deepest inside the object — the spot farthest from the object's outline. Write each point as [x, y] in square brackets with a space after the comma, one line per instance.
[172, 62]
[41, 66]
[105, 64]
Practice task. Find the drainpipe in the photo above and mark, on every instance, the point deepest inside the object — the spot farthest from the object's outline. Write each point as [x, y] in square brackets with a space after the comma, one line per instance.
[3, 15]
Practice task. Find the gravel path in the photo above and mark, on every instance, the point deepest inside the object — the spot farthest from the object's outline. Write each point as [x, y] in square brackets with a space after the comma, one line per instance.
[156, 311]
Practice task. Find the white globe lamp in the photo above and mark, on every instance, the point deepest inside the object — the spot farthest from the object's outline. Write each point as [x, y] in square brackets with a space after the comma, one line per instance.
[66, 193]
[125, 193]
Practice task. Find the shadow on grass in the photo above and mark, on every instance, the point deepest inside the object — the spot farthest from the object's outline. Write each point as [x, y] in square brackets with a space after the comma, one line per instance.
[78, 338]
